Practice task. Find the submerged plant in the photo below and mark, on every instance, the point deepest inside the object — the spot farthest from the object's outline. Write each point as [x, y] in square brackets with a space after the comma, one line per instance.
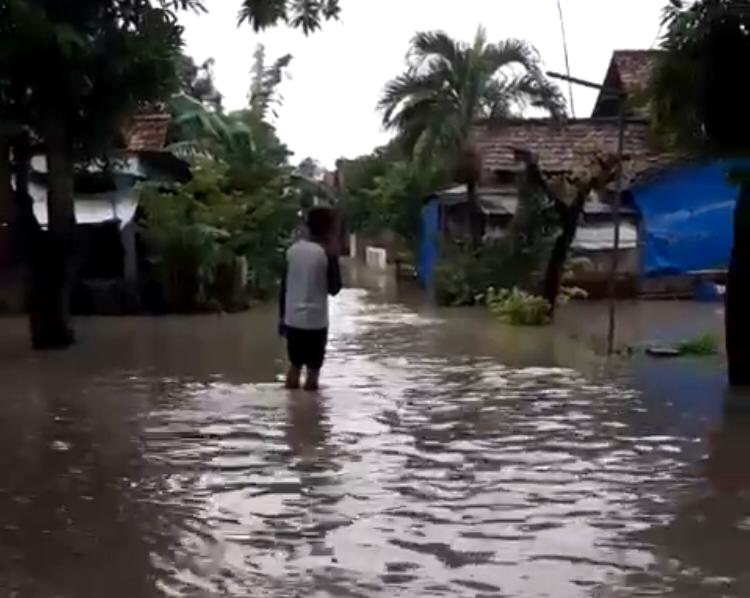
[517, 307]
[702, 345]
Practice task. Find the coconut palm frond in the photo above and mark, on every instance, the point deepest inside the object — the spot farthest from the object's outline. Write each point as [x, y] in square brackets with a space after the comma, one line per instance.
[512, 52]
[408, 88]
[540, 92]
[431, 44]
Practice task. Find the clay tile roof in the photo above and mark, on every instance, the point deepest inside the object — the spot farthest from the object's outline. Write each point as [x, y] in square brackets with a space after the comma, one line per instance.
[635, 68]
[629, 71]
[147, 133]
[556, 144]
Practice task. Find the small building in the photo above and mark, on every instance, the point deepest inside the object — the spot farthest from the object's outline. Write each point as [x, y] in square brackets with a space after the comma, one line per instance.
[557, 146]
[686, 207]
[446, 217]
[497, 205]
[106, 208]
[677, 215]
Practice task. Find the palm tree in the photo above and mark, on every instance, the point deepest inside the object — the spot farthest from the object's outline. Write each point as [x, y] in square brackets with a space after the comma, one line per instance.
[450, 85]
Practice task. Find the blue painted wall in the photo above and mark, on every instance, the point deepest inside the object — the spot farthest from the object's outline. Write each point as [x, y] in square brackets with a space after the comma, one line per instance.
[687, 215]
[429, 251]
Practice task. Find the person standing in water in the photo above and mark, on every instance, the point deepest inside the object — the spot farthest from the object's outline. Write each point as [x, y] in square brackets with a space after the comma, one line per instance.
[312, 273]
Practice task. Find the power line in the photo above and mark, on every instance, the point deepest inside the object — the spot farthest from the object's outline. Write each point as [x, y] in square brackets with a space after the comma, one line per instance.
[567, 59]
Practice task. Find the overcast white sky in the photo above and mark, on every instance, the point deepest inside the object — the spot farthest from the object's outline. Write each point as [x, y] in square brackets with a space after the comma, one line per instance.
[338, 73]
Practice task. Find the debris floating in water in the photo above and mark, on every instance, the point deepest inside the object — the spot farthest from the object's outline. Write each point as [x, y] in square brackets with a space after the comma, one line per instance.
[663, 352]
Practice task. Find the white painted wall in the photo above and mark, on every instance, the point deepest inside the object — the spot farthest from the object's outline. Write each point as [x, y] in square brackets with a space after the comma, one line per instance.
[376, 258]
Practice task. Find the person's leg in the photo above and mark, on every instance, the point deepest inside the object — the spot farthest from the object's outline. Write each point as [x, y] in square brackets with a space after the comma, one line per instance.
[293, 375]
[316, 352]
[294, 346]
[312, 381]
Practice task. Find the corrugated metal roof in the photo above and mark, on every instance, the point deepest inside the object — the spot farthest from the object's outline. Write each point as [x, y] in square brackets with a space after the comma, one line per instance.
[504, 201]
[492, 200]
[94, 208]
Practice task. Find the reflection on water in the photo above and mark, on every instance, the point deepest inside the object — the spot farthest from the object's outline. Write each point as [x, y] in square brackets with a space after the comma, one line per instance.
[446, 456]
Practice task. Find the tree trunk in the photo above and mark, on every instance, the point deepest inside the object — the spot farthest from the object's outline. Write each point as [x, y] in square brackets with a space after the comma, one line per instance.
[569, 216]
[737, 319]
[6, 191]
[469, 172]
[51, 254]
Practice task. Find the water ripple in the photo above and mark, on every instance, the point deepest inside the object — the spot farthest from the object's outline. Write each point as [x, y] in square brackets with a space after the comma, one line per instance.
[416, 472]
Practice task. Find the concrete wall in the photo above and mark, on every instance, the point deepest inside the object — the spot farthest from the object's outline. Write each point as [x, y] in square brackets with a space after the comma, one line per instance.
[376, 258]
[387, 240]
[593, 276]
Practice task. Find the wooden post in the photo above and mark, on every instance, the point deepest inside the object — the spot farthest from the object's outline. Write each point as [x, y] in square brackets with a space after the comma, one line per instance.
[611, 335]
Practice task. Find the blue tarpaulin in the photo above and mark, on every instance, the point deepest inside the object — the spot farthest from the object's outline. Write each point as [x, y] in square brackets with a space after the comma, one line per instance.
[687, 215]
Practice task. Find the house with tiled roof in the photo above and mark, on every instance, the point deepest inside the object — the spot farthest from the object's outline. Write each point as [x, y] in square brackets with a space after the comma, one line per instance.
[147, 132]
[659, 189]
[558, 146]
[685, 206]
[630, 72]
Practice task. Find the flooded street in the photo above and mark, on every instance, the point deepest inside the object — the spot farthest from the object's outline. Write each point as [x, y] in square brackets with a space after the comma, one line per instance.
[446, 456]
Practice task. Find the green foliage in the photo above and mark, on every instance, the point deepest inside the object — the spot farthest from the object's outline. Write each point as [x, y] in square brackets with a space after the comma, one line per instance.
[464, 274]
[696, 99]
[244, 200]
[243, 139]
[517, 307]
[266, 80]
[702, 345]
[358, 177]
[384, 191]
[196, 230]
[86, 65]
[197, 81]
[248, 145]
[306, 15]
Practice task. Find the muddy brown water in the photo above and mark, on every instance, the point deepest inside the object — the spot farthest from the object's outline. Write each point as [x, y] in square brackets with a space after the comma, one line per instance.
[446, 456]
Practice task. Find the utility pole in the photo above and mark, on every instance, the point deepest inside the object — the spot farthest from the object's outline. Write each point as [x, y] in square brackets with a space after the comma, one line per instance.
[567, 57]
[617, 206]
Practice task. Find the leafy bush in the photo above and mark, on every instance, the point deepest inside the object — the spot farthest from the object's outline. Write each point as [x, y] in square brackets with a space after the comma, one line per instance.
[199, 234]
[464, 274]
[703, 345]
[518, 307]
[384, 191]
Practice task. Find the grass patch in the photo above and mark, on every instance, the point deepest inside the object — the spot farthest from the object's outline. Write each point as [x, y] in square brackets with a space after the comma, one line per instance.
[700, 346]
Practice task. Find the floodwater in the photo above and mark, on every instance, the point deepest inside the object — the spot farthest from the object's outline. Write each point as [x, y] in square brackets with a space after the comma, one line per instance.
[446, 456]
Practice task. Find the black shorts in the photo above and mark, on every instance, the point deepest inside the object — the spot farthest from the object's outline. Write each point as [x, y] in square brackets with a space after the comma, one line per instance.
[306, 348]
